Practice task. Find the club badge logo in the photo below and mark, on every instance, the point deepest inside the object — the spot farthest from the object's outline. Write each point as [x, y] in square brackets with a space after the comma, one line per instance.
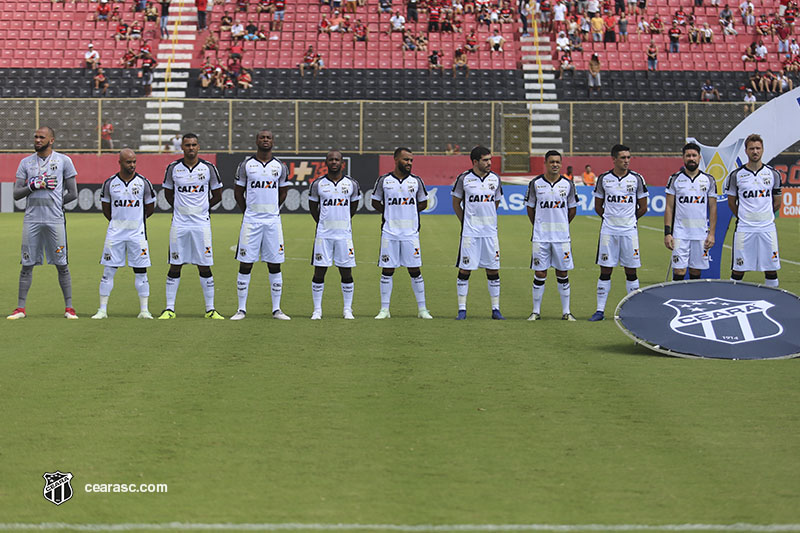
[724, 320]
[57, 487]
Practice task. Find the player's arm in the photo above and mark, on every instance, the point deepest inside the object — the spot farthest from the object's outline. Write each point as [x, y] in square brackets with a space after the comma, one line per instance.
[712, 221]
[776, 200]
[107, 209]
[216, 197]
[669, 207]
[599, 207]
[458, 209]
[571, 212]
[282, 192]
[238, 195]
[421, 206]
[353, 207]
[377, 205]
[641, 207]
[169, 196]
[70, 189]
[313, 208]
[149, 209]
[531, 214]
[733, 204]
[21, 188]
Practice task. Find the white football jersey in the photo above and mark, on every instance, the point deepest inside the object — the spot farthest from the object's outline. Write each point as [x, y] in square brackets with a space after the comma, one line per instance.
[334, 205]
[690, 215]
[551, 202]
[755, 193]
[127, 204]
[400, 198]
[192, 188]
[261, 182]
[479, 196]
[620, 196]
[46, 205]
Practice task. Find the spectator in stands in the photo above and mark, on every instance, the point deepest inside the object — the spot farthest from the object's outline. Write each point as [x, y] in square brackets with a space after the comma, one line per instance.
[115, 16]
[447, 24]
[103, 10]
[791, 64]
[91, 57]
[496, 42]
[241, 6]
[324, 25]
[749, 55]
[674, 38]
[101, 81]
[749, 102]
[460, 61]
[278, 15]
[434, 15]
[412, 10]
[592, 8]
[264, 6]
[598, 27]
[245, 80]
[236, 51]
[106, 136]
[619, 6]
[422, 42]
[692, 34]
[164, 17]
[571, 175]
[755, 81]
[226, 22]
[727, 26]
[150, 12]
[749, 13]
[397, 22]
[202, 6]
[251, 31]
[761, 51]
[471, 41]
[234, 68]
[409, 43]
[136, 30]
[782, 32]
[149, 65]
[128, 60]
[642, 4]
[211, 43]
[609, 28]
[482, 17]
[656, 27]
[643, 26]
[559, 16]
[790, 15]
[588, 176]
[123, 31]
[794, 48]
[507, 14]
[565, 64]
[312, 60]
[785, 83]
[622, 23]
[360, 32]
[206, 76]
[384, 6]
[680, 17]
[435, 62]
[706, 34]
[524, 13]
[709, 93]
[237, 31]
[545, 14]
[337, 22]
[652, 56]
[574, 34]
[145, 49]
[594, 75]
[350, 6]
[562, 42]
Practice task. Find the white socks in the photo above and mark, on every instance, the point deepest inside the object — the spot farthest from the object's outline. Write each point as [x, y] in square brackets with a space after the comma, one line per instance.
[386, 291]
[538, 293]
[142, 289]
[418, 286]
[494, 292]
[276, 288]
[347, 295]
[208, 291]
[631, 286]
[462, 288]
[563, 292]
[242, 286]
[316, 295]
[106, 285]
[603, 288]
[172, 291]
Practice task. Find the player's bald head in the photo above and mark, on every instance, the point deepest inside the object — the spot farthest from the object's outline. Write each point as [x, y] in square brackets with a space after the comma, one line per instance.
[126, 153]
[334, 154]
[47, 130]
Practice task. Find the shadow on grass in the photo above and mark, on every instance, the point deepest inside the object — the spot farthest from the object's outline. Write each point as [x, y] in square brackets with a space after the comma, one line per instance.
[635, 350]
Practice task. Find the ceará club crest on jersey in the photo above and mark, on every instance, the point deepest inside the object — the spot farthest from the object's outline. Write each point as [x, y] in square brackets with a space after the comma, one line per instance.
[724, 320]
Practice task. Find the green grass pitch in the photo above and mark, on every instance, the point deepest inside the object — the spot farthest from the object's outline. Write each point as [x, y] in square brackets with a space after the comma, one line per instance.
[402, 421]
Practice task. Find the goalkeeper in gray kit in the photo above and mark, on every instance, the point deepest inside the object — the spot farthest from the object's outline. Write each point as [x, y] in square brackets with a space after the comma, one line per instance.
[46, 180]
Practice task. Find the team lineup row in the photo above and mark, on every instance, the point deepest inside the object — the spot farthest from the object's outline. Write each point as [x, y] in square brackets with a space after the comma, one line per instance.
[192, 186]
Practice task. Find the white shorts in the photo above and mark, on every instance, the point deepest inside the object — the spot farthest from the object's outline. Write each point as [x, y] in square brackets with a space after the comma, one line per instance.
[115, 251]
[755, 251]
[551, 254]
[260, 241]
[39, 238]
[478, 252]
[328, 252]
[190, 245]
[400, 253]
[689, 253]
[622, 250]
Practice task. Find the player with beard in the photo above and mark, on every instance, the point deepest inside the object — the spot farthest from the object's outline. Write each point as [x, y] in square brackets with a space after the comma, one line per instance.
[47, 180]
[690, 216]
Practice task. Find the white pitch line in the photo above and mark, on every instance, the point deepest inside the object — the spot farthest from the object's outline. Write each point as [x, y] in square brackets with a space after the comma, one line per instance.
[728, 246]
[188, 526]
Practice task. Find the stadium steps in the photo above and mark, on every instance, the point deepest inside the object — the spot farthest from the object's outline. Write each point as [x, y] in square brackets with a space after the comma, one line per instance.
[545, 129]
[164, 118]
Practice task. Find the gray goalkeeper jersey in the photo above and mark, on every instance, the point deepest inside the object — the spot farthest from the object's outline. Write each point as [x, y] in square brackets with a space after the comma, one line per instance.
[45, 205]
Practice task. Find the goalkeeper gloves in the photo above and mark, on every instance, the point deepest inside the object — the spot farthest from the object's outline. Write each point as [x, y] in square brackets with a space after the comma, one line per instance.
[42, 182]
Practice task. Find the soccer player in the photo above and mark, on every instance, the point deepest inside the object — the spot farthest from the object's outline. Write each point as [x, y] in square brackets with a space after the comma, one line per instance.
[400, 196]
[552, 202]
[192, 186]
[620, 198]
[476, 195]
[260, 189]
[128, 199]
[332, 201]
[47, 180]
[754, 194]
[690, 216]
